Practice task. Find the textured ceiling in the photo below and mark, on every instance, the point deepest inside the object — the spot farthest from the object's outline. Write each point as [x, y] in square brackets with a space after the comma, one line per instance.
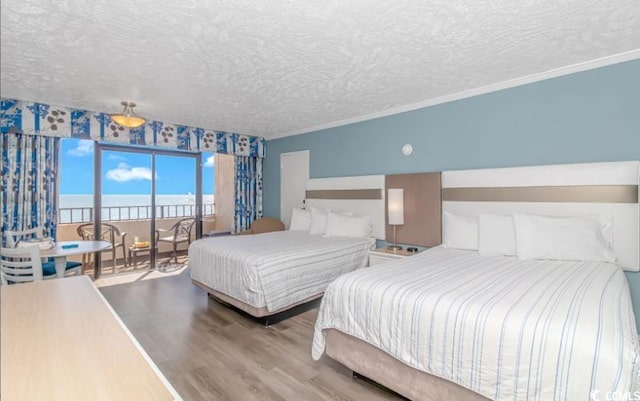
[269, 68]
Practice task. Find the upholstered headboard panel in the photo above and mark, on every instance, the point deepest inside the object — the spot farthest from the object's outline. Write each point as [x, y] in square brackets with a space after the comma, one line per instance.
[422, 208]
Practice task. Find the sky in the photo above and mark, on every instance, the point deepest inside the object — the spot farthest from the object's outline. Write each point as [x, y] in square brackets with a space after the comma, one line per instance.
[129, 173]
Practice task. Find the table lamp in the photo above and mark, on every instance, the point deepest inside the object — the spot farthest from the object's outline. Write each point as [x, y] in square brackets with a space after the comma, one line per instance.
[395, 212]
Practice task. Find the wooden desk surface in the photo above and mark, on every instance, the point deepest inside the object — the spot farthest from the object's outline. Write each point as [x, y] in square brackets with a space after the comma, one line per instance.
[62, 341]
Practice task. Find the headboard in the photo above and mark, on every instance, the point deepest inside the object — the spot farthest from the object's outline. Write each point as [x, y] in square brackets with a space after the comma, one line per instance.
[604, 189]
[362, 195]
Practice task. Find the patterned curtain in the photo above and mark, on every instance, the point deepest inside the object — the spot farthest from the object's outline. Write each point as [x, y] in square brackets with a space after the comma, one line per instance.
[248, 194]
[29, 183]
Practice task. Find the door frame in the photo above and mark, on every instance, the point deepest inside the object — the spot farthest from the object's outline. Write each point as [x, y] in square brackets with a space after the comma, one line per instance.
[153, 152]
[308, 153]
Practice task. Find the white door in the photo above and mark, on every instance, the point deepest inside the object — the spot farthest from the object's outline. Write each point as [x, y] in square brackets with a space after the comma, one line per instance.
[294, 173]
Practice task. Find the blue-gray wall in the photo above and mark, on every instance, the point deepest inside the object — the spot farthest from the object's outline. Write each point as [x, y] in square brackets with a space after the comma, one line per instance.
[584, 117]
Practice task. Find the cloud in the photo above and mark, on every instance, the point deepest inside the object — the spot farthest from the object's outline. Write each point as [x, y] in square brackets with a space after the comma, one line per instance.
[84, 148]
[209, 162]
[115, 157]
[125, 173]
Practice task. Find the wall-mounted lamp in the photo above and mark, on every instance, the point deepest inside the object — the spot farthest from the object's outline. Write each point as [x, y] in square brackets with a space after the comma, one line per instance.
[407, 149]
[395, 212]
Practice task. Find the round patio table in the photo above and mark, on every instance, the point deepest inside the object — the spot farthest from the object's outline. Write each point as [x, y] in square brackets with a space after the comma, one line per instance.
[59, 254]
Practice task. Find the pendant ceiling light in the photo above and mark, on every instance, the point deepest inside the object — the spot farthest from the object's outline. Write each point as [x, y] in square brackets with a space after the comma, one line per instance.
[128, 118]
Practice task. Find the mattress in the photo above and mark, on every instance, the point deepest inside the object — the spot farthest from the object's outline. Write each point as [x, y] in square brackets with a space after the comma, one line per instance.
[505, 328]
[277, 269]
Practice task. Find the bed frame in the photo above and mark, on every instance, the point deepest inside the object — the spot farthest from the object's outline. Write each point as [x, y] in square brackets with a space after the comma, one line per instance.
[374, 364]
[261, 315]
[604, 189]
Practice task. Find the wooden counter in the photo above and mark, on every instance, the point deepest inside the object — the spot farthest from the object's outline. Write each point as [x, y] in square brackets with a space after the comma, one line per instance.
[61, 340]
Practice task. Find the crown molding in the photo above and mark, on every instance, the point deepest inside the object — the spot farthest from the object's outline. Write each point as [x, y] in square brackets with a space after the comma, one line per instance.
[556, 72]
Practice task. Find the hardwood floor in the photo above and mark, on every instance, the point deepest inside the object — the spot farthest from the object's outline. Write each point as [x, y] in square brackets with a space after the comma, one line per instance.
[209, 352]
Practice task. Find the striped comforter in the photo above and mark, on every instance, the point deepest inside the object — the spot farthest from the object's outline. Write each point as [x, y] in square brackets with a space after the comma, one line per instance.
[275, 269]
[506, 328]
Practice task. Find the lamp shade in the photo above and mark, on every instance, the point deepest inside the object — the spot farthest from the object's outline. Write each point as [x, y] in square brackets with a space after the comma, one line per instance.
[129, 121]
[395, 206]
[128, 117]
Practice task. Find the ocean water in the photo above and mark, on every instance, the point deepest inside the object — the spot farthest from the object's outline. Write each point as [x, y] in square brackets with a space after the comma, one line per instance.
[79, 208]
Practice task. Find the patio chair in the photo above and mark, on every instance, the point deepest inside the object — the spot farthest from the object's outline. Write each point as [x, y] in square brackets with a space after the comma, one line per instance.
[178, 234]
[14, 237]
[109, 233]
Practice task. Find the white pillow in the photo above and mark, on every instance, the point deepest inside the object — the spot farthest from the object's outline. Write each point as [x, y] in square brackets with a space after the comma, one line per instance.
[318, 220]
[300, 220]
[496, 235]
[460, 232]
[339, 225]
[562, 238]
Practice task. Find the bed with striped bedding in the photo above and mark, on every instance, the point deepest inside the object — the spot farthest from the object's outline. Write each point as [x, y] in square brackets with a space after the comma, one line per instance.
[505, 328]
[276, 269]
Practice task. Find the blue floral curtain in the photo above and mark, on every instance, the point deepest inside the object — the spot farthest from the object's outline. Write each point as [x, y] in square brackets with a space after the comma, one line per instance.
[29, 182]
[248, 193]
[59, 121]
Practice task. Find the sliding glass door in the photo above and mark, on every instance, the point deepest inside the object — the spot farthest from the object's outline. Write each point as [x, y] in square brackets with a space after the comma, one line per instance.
[150, 206]
[126, 210]
[176, 205]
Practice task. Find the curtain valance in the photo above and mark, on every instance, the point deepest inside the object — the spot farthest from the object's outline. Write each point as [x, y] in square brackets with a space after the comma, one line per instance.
[58, 121]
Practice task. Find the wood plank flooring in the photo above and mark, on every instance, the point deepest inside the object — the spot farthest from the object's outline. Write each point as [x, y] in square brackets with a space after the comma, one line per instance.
[209, 352]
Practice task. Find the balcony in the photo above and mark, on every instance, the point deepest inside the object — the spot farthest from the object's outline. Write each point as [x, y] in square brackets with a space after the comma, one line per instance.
[135, 221]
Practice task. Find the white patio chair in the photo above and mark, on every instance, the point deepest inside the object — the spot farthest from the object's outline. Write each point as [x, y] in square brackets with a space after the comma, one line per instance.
[21, 265]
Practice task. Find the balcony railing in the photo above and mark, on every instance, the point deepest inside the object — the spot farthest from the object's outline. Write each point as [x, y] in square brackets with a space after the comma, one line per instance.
[125, 213]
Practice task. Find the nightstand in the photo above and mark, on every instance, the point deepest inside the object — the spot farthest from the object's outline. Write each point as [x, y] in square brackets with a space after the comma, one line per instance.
[384, 255]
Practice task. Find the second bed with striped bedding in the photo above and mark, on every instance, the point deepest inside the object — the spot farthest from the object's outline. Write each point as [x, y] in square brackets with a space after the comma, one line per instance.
[506, 328]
